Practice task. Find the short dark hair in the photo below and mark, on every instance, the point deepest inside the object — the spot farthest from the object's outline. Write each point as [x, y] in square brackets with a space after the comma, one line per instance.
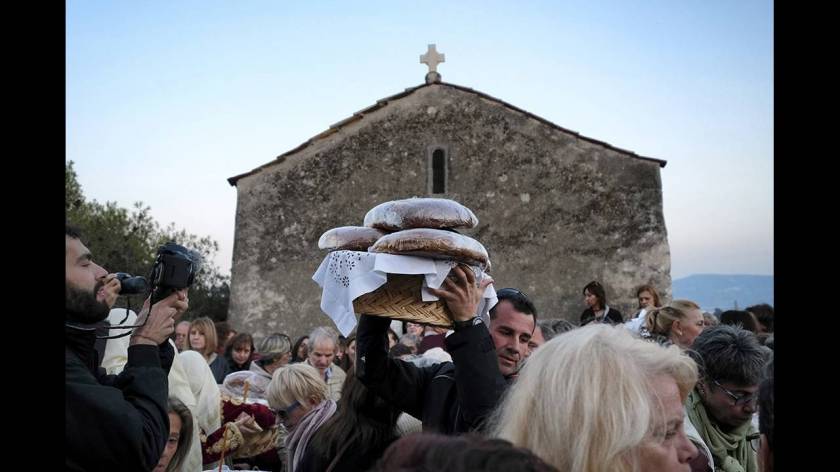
[764, 314]
[398, 350]
[595, 288]
[72, 232]
[553, 327]
[728, 353]
[561, 326]
[765, 405]
[547, 329]
[518, 299]
[740, 317]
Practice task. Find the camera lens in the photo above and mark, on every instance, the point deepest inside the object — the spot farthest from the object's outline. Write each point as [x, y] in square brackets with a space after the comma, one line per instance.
[131, 285]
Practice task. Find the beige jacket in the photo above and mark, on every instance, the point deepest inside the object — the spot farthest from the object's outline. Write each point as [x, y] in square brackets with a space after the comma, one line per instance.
[335, 380]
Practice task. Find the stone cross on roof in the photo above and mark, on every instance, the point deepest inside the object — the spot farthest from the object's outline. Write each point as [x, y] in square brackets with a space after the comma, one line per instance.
[432, 59]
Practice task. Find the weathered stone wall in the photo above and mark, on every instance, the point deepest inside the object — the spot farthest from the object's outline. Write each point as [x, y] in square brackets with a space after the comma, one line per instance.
[555, 211]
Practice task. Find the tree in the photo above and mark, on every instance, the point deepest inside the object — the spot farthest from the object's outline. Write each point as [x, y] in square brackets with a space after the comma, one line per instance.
[127, 241]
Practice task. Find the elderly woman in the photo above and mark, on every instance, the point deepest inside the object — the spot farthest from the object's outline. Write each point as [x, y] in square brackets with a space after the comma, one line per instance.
[299, 396]
[622, 413]
[679, 323]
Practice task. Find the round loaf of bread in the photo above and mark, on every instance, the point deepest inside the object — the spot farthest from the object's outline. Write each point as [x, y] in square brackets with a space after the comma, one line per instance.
[433, 243]
[420, 213]
[349, 238]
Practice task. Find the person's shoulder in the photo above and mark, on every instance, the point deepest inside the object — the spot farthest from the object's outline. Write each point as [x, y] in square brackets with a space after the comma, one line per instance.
[442, 368]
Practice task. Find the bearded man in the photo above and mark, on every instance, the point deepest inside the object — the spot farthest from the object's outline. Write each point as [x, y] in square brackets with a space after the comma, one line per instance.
[113, 422]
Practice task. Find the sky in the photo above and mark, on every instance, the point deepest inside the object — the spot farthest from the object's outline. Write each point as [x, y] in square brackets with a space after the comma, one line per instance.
[167, 100]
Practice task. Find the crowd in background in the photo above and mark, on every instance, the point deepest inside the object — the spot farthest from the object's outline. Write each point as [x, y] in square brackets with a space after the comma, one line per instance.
[667, 388]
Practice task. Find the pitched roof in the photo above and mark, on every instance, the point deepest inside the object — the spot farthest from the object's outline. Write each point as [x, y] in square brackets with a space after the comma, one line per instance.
[385, 101]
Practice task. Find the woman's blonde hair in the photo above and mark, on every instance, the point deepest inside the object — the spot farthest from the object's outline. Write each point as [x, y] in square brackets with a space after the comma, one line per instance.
[206, 327]
[295, 382]
[584, 400]
[660, 320]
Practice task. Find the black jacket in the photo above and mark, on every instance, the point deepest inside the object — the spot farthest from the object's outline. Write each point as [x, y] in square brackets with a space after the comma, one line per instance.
[114, 422]
[355, 457]
[613, 316]
[450, 397]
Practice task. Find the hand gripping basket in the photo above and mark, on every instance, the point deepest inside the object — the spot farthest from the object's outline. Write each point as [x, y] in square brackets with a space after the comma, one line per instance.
[400, 299]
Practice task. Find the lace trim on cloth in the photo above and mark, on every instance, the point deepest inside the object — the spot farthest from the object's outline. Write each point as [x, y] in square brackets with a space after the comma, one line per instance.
[346, 275]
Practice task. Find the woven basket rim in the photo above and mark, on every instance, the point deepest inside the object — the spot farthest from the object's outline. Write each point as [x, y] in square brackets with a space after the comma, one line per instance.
[400, 299]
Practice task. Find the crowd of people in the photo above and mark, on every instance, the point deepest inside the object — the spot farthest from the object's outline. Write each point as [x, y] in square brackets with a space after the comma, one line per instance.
[668, 388]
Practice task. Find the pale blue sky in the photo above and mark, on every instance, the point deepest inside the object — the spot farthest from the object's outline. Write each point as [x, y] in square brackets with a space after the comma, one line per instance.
[166, 100]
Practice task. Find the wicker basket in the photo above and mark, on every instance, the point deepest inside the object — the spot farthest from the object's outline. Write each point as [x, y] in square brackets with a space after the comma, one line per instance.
[400, 299]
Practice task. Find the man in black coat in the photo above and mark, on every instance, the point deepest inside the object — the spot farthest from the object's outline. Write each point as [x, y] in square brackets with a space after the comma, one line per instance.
[113, 422]
[451, 397]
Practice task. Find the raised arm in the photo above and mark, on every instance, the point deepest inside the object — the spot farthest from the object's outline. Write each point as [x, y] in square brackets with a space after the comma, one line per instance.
[401, 383]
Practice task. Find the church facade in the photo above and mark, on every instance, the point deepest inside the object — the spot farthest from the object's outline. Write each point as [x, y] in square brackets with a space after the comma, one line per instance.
[556, 209]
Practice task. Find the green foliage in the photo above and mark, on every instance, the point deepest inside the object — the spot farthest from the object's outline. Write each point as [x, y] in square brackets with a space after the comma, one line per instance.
[127, 241]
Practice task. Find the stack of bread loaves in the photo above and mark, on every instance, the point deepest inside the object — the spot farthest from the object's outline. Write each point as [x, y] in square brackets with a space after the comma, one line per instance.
[424, 227]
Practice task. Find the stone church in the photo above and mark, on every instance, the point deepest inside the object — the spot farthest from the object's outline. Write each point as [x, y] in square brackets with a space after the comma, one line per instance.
[556, 209]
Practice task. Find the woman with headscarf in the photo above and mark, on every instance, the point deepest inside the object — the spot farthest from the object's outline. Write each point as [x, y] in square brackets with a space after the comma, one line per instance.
[299, 396]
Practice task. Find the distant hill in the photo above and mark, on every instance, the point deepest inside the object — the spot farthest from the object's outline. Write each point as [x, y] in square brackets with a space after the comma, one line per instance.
[712, 291]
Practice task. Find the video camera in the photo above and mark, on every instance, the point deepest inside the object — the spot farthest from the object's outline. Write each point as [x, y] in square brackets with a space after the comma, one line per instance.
[174, 269]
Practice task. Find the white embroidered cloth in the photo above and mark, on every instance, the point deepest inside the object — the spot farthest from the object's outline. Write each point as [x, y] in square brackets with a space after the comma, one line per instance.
[346, 275]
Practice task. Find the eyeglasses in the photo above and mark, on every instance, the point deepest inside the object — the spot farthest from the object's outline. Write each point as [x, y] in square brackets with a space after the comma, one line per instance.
[739, 399]
[285, 412]
[754, 440]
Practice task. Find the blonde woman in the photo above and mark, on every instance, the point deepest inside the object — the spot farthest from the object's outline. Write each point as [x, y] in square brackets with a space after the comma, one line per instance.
[203, 339]
[600, 399]
[680, 322]
[298, 394]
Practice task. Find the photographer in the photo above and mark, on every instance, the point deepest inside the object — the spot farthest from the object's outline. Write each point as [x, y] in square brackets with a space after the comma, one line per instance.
[113, 422]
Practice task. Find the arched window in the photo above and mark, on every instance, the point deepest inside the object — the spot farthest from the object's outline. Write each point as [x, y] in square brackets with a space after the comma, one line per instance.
[438, 168]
